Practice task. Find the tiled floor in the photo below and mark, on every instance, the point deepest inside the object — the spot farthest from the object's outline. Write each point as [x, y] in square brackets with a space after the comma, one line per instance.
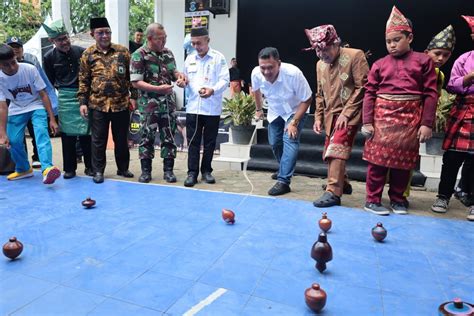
[154, 250]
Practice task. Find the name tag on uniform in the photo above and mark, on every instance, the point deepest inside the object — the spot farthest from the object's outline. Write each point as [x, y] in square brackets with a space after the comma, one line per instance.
[192, 67]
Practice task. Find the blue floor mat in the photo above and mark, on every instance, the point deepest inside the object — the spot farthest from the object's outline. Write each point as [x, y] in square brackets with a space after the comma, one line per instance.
[162, 250]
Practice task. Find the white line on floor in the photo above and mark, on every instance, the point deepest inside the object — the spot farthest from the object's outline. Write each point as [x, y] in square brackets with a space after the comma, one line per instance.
[207, 301]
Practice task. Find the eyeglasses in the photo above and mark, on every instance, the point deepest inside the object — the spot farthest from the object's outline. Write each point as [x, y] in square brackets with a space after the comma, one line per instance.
[102, 33]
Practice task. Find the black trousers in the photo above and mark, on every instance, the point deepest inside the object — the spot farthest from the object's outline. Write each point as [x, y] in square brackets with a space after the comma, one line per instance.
[467, 172]
[101, 121]
[452, 161]
[199, 127]
[70, 152]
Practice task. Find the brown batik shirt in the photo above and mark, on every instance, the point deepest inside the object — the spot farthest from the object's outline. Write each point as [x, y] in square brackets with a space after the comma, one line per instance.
[341, 88]
[104, 79]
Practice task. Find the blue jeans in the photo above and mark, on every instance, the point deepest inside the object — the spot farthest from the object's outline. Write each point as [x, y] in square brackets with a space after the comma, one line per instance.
[285, 149]
[16, 133]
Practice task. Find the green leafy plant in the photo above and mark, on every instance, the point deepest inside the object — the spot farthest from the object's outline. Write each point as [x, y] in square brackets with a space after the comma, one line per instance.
[445, 102]
[239, 110]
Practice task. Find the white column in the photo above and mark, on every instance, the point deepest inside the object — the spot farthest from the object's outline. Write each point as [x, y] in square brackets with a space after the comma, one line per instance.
[116, 12]
[158, 11]
[62, 10]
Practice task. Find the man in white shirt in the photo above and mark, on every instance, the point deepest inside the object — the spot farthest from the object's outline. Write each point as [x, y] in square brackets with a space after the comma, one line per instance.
[207, 77]
[23, 87]
[286, 92]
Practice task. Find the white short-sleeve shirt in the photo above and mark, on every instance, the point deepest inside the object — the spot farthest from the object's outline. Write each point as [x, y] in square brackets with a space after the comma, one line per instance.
[22, 89]
[283, 96]
[209, 71]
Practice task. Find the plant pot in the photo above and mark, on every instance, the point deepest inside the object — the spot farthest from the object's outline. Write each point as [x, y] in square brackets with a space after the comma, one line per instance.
[434, 144]
[242, 134]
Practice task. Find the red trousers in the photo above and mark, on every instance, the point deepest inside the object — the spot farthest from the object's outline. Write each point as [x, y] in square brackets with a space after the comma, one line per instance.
[376, 178]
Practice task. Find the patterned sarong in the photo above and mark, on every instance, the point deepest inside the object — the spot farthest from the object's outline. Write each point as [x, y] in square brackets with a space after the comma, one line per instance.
[460, 128]
[339, 144]
[395, 143]
[70, 119]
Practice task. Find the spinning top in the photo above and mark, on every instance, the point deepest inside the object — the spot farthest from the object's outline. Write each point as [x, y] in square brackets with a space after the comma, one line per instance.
[325, 223]
[315, 297]
[88, 203]
[456, 307]
[228, 216]
[321, 252]
[12, 248]
[379, 232]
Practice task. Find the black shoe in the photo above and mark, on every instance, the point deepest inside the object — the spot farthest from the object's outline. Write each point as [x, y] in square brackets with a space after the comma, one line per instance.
[279, 188]
[190, 181]
[275, 175]
[169, 176]
[69, 175]
[99, 177]
[346, 190]
[328, 199]
[125, 174]
[145, 177]
[89, 172]
[208, 178]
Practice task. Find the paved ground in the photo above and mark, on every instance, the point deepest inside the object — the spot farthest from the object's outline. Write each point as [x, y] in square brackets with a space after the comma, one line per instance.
[303, 188]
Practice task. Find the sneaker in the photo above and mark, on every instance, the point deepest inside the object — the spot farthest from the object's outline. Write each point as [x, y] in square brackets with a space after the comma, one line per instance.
[376, 208]
[51, 174]
[470, 214]
[440, 205]
[20, 175]
[36, 164]
[399, 208]
[279, 188]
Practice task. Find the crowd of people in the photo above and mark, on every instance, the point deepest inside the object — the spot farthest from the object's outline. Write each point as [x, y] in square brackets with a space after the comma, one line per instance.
[393, 103]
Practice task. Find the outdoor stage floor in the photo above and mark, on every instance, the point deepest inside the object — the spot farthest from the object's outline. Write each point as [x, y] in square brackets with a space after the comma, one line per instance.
[154, 249]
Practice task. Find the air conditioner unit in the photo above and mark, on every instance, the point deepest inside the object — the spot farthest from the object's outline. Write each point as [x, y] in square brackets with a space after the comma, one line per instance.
[219, 7]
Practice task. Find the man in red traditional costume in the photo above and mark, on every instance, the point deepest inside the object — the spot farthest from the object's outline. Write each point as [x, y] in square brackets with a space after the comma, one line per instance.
[341, 74]
[398, 114]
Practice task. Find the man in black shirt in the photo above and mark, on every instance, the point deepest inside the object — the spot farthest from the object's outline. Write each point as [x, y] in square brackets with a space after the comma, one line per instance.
[137, 41]
[235, 81]
[61, 65]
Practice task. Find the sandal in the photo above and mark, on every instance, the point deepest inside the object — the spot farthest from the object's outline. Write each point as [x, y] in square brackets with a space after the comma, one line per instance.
[328, 199]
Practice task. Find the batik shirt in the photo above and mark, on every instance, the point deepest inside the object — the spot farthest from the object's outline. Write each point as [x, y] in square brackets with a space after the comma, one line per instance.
[341, 87]
[104, 79]
[155, 68]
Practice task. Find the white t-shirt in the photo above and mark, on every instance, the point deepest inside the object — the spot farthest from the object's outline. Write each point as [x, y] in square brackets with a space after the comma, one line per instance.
[283, 96]
[209, 71]
[22, 89]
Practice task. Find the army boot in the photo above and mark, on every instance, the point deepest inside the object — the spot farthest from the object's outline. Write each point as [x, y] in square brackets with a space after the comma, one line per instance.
[168, 175]
[145, 177]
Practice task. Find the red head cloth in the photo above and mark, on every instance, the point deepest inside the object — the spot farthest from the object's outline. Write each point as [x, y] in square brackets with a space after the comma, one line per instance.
[321, 37]
[397, 22]
[470, 21]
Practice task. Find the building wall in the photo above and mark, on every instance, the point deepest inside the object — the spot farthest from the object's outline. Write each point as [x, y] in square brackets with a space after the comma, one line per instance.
[222, 31]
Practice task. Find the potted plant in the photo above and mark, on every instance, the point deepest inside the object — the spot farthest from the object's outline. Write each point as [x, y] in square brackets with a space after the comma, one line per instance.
[239, 112]
[445, 102]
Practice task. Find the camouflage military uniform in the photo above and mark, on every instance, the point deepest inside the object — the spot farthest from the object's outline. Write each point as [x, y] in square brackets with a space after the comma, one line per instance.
[157, 111]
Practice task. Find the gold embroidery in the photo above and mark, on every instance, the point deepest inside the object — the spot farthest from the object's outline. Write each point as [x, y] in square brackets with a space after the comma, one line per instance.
[344, 60]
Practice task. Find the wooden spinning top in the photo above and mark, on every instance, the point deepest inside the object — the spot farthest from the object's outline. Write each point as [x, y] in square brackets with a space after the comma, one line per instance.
[325, 223]
[456, 307]
[228, 216]
[88, 203]
[12, 248]
[321, 252]
[379, 232]
[315, 297]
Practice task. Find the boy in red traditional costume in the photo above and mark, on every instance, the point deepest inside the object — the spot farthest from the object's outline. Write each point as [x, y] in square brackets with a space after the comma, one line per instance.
[459, 140]
[398, 112]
